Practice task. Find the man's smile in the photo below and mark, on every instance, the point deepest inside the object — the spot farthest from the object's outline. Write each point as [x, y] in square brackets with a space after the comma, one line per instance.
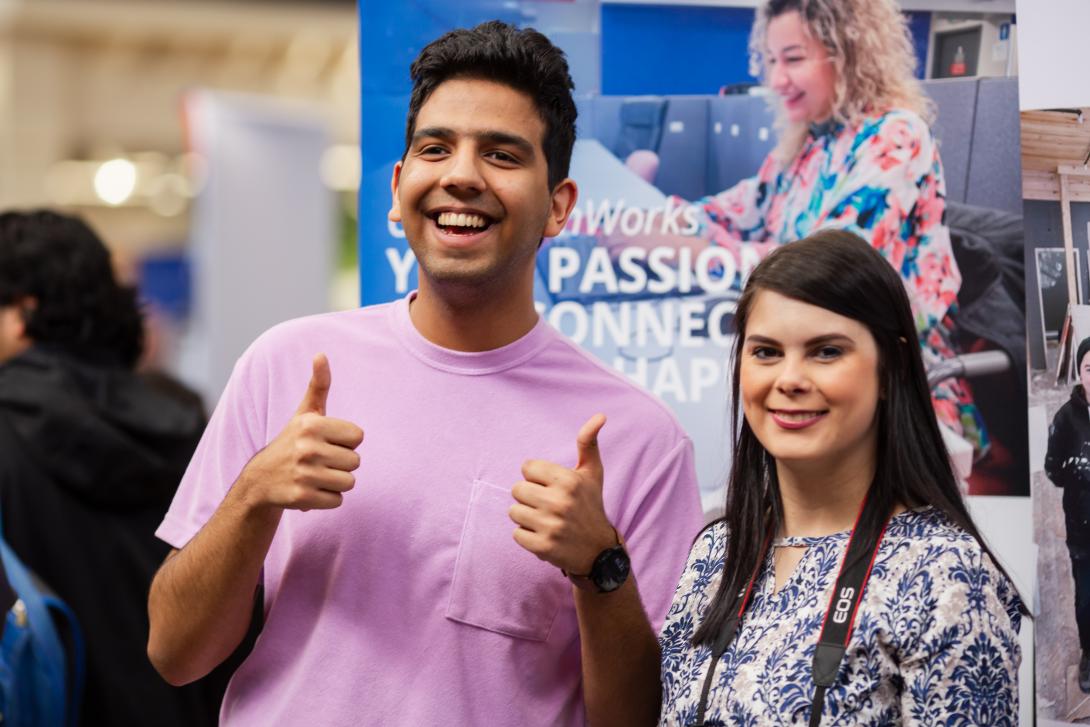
[461, 222]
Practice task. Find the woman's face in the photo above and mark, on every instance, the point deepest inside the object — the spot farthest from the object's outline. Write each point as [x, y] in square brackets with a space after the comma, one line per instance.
[799, 69]
[809, 383]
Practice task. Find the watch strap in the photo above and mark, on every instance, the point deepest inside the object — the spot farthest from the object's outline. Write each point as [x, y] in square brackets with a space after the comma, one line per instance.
[585, 581]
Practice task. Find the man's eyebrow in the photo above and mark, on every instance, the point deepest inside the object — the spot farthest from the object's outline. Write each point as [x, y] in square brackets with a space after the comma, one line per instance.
[502, 137]
[495, 137]
[433, 132]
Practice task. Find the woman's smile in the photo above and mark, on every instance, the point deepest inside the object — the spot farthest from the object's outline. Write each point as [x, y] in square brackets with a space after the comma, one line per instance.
[794, 420]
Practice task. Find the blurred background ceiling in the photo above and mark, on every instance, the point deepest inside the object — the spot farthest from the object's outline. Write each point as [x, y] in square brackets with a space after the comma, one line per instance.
[91, 94]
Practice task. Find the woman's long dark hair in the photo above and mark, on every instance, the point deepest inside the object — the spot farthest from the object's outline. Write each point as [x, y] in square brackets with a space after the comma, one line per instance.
[838, 271]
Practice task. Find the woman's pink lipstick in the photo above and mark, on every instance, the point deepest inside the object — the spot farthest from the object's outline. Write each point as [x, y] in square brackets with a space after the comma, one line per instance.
[795, 422]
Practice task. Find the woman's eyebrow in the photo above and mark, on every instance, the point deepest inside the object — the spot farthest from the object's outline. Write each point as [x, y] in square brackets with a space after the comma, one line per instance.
[829, 338]
[816, 340]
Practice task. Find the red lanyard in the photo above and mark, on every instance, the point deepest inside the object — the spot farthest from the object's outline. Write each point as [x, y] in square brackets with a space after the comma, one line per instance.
[836, 629]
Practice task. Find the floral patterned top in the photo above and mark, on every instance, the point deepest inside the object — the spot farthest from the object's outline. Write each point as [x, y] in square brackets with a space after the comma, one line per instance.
[881, 179]
[935, 641]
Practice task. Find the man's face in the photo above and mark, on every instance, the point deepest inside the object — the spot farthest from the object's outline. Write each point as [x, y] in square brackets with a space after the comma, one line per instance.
[13, 340]
[472, 192]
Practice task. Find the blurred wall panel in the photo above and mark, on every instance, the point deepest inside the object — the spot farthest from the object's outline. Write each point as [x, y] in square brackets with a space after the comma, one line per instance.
[261, 228]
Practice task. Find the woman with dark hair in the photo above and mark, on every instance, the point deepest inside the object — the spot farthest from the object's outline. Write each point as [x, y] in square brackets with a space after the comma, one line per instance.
[1067, 464]
[843, 524]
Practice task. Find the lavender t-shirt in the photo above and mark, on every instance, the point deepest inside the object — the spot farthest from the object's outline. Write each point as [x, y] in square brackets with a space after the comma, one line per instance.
[411, 604]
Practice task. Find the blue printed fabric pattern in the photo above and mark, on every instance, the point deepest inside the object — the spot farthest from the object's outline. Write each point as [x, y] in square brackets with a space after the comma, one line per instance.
[935, 641]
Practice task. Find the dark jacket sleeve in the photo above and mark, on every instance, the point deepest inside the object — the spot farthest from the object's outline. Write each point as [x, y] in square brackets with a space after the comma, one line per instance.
[1061, 448]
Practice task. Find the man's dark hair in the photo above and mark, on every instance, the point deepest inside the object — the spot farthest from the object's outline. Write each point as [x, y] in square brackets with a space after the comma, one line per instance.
[79, 306]
[524, 59]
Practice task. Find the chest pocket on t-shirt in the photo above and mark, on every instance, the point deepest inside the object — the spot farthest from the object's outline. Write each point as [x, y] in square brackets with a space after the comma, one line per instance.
[497, 584]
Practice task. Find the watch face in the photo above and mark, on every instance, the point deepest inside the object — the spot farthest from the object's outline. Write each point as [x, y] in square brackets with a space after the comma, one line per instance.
[610, 569]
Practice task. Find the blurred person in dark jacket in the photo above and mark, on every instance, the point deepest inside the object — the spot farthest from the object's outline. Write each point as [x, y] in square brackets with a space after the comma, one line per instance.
[90, 455]
[1067, 464]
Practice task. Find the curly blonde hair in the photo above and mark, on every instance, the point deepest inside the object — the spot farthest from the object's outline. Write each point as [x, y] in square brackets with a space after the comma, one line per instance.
[869, 44]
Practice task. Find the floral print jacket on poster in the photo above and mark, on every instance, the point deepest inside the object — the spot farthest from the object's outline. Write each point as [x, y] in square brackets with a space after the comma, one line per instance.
[881, 179]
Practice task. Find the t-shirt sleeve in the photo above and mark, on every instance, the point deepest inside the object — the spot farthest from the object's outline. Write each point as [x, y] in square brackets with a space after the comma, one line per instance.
[964, 659]
[235, 433]
[658, 527]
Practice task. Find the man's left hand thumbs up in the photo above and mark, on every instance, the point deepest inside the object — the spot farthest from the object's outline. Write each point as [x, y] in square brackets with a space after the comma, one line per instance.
[559, 510]
[586, 443]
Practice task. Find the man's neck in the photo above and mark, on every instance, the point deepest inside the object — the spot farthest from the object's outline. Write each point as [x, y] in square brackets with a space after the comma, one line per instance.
[472, 319]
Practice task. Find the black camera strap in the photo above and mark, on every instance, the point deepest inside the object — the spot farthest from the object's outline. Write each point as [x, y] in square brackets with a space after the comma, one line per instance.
[836, 629]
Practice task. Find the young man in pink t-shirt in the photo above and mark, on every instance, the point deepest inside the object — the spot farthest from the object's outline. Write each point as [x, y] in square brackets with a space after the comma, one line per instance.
[473, 559]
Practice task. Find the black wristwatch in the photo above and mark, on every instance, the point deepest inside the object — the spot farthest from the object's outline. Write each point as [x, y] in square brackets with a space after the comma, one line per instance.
[609, 572]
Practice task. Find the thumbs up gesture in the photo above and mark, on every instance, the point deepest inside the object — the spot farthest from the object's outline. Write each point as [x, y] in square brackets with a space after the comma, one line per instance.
[310, 463]
[559, 510]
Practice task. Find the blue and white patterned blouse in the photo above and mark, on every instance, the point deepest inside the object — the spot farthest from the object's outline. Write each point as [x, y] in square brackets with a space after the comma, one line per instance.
[935, 641]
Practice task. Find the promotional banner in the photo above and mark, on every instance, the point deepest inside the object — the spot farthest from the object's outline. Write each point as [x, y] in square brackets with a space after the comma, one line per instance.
[657, 313]
[634, 277]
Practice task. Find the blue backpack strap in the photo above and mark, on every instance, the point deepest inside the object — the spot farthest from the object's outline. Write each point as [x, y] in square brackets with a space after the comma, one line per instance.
[41, 658]
[30, 638]
[61, 611]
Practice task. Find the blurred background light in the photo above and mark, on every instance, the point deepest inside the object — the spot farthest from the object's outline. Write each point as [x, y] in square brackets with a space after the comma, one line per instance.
[115, 181]
[167, 194]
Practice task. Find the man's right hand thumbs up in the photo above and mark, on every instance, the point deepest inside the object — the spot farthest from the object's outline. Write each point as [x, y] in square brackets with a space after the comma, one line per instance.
[318, 388]
[310, 463]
